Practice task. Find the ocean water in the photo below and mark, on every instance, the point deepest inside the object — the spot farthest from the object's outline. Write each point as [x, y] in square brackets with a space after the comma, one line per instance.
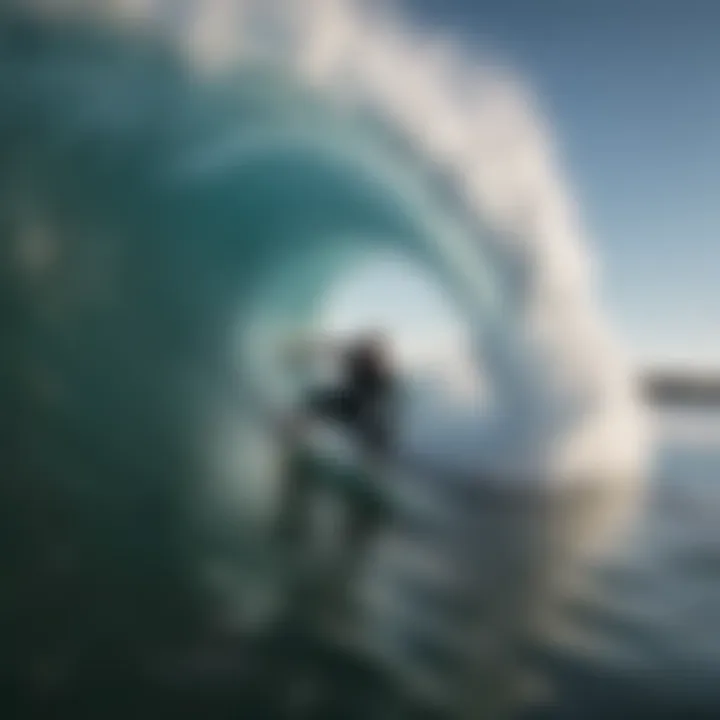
[642, 639]
[636, 634]
[151, 212]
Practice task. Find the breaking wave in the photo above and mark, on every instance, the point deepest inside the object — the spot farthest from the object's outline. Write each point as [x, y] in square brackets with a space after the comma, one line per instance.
[186, 176]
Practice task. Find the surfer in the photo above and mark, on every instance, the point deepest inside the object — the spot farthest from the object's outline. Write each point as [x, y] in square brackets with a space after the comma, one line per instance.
[362, 404]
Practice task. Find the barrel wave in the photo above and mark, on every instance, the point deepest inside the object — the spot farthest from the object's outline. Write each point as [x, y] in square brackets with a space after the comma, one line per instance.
[161, 220]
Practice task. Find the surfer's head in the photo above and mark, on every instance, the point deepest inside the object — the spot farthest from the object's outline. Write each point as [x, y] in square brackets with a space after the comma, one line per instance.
[374, 346]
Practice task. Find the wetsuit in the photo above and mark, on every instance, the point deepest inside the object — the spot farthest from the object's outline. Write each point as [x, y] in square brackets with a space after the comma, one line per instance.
[362, 403]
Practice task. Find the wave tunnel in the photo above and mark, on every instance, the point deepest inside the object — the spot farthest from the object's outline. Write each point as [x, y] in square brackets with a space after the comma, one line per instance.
[159, 226]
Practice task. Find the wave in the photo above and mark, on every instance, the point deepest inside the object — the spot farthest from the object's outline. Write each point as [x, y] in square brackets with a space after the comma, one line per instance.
[458, 159]
[178, 194]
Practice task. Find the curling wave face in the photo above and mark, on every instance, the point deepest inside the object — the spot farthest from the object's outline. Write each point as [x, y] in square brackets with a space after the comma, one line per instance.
[401, 139]
[465, 180]
[160, 194]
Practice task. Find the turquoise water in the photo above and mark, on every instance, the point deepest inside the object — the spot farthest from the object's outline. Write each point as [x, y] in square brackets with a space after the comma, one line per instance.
[142, 211]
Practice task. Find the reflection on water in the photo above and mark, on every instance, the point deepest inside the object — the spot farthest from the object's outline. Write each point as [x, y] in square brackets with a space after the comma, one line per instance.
[449, 590]
[644, 639]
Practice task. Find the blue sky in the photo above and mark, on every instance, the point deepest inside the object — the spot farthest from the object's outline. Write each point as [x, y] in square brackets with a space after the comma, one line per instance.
[632, 90]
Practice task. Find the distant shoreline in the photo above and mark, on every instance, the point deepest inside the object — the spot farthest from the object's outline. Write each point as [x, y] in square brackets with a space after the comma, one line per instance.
[680, 388]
